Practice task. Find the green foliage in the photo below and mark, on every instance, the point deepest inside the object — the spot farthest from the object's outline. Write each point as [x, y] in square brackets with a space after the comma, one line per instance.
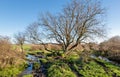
[29, 75]
[100, 68]
[26, 47]
[60, 70]
[55, 53]
[111, 69]
[92, 69]
[12, 71]
[43, 60]
[72, 58]
[33, 52]
[9, 72]
[36, 65]
[22, 66]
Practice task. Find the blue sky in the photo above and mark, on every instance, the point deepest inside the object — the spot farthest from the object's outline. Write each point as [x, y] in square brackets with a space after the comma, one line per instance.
[15, 15]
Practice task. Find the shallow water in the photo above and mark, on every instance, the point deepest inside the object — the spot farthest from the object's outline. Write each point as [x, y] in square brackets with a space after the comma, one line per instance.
[29, 69]
[105, 59]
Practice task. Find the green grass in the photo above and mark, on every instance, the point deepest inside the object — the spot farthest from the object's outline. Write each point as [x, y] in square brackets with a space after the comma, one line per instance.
[111, 68]
[60, 70]
[92, 69]
[26, 47]
[12, 71]
[33, 52]
[36, 65]
[9, 72]
[95, 69]
[29, 75]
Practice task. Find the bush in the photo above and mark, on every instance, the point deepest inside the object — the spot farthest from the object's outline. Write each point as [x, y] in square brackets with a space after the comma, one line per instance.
[26, 47]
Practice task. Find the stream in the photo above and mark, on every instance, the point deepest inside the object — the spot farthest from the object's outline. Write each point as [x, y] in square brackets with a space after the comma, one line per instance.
[29, 70]
[105, 59]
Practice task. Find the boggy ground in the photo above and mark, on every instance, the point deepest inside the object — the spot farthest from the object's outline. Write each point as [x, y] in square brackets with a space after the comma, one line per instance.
[74, 66]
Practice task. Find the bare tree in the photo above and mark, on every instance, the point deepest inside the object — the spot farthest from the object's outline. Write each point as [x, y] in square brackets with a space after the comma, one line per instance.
[33, 34]
[20, 39]
[78, 21]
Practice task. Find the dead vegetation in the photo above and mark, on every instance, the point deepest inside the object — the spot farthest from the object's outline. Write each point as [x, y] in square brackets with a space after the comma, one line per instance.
[8, 56]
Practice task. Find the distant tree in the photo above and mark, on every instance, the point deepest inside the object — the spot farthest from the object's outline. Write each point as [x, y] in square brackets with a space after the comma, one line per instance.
[20, 39]
[78, 21]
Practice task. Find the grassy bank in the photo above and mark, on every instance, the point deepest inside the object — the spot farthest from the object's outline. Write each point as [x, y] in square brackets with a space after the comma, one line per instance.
[12, 71]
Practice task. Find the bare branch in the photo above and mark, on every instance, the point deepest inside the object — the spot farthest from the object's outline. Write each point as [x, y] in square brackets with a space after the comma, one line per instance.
[79, 20]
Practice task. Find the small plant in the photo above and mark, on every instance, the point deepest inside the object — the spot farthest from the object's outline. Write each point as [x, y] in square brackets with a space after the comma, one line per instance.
[36, 65]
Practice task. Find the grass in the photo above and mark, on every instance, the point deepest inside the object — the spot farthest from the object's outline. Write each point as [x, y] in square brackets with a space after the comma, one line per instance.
[92, 69]
[12, 71]
[34, 52]
[100, 68]
[111, 68]
[29, 75]
[9, 72]
[26, 47]
[60, 70]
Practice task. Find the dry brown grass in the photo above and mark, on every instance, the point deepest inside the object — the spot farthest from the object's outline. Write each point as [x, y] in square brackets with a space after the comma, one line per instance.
[8, 56]
[48, 46]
